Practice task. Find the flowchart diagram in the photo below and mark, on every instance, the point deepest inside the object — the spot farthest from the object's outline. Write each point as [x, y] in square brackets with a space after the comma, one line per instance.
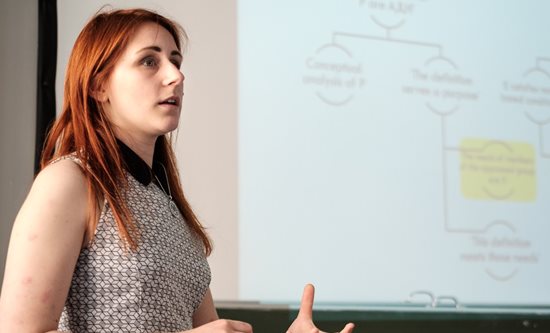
[491, 169]
[491, 177]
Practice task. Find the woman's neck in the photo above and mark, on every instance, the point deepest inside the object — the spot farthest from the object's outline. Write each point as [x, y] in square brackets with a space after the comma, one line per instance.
[144, 148]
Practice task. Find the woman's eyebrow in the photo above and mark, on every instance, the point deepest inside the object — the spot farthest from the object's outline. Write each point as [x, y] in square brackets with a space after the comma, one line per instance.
[158, 49]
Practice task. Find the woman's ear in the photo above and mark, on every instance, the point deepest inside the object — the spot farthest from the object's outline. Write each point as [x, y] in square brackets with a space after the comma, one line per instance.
[99, 93]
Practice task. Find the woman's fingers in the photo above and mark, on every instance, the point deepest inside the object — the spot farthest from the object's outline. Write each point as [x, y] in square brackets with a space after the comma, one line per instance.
[306, 305]
[304, 321]
[225, 326]
[239, 326]
[348, 328]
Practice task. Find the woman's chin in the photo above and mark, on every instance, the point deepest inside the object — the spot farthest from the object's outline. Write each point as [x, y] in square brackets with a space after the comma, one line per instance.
[169, 128]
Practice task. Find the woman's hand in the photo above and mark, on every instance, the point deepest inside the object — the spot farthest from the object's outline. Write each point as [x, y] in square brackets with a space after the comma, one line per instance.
[223, 326]
[304, 321]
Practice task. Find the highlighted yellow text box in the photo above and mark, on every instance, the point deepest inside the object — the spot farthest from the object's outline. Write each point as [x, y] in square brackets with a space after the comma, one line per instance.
[497, 170]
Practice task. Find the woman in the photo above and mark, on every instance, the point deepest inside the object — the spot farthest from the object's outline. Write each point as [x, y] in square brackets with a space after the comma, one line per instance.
[106, 241]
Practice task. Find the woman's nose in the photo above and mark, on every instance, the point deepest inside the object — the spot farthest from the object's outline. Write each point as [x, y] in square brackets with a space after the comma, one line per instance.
[173, 75]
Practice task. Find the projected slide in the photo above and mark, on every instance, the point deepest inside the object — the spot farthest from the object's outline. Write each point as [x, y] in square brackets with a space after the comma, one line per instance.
[395, 151]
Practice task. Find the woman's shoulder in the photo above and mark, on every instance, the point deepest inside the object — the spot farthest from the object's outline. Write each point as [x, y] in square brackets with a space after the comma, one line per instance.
[70, 157]
[57, 202]
[63, 182]
[66, 170]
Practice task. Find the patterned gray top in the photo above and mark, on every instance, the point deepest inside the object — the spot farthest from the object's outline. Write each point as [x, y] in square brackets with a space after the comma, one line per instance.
[155, 289]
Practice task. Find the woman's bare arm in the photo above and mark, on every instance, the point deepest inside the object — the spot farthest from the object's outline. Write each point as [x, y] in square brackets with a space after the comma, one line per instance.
[45, 242]
[206, 320]
[206, 312]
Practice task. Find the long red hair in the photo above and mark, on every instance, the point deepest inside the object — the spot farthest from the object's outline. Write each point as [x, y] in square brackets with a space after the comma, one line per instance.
[84, 129]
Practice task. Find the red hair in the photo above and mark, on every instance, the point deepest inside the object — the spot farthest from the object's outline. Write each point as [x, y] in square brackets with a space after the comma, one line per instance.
[84, 129]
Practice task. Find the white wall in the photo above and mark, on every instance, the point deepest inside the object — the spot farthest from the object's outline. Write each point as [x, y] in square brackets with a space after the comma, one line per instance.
[18, 45]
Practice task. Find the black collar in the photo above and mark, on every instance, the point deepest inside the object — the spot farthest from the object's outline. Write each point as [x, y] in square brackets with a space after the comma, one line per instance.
[139, 169]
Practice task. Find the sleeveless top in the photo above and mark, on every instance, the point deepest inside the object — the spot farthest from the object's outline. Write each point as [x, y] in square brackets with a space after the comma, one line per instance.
[156, 288]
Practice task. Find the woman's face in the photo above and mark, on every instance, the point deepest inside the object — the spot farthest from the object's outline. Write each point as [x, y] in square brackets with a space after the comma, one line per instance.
[143, 95]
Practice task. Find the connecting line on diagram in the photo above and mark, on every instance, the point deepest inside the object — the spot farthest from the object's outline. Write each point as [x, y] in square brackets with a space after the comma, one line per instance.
[540, 123]
[540, 126]
[444, 114]
[438, 47]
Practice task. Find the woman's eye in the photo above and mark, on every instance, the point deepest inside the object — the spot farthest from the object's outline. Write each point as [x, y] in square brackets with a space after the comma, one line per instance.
[176, 63]
[149, 62]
